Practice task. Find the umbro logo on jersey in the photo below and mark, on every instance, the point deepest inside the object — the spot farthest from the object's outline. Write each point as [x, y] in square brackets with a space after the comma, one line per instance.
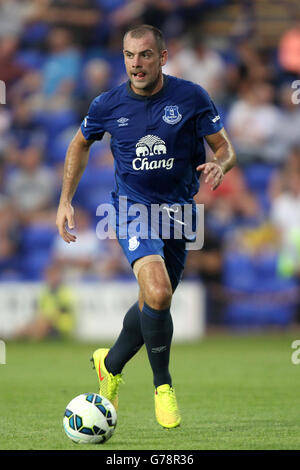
[216, 118]
[123, 121]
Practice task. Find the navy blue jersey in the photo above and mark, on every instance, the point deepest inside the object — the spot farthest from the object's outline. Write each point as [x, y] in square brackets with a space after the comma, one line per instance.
[157, 141]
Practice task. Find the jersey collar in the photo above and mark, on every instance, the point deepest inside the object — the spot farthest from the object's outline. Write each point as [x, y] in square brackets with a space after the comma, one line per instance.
[151, 97]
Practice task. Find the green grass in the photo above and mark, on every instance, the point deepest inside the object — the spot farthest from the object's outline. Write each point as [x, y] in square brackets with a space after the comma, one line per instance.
[235, 392]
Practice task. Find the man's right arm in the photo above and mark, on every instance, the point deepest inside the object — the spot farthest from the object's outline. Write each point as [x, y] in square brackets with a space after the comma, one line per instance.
[75, 163]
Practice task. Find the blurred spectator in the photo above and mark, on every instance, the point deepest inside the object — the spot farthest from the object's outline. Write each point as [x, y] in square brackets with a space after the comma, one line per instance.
[223, 218]
[285, 210]
[286, 133]
[27, 89]
[55, 310]
[252, 122]
[280, 181]
[89, 257]
[49, 92]
[13, 15]
[62, 65]
[80, 17]
[206, 264]
[77, 259]
[9, 238]
[198, 63]
[5, 122]
[166, 15]
[253, 63]
[111, 264]
[285, 215]
[176, 17]
[232, 187]
[32, 188]
[96, 78]
[50, 87]
[24, 129]
[97, 74]
[122, 13]
[11, 70]
[2, 176]
[84, 258]
[289, 50]
[231, 205]
[256, 295]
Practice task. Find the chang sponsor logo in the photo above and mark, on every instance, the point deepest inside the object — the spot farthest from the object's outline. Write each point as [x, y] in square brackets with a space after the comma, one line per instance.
[151, 146]
[145, 164]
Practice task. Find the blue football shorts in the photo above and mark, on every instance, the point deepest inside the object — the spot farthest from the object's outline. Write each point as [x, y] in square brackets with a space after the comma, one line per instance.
[139, 237]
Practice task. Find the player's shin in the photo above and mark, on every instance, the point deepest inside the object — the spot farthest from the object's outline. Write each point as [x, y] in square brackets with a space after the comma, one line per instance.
[157, 329]
[128, 343]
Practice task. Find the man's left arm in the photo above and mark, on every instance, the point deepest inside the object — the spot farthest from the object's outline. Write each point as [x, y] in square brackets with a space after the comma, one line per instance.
[224, 158]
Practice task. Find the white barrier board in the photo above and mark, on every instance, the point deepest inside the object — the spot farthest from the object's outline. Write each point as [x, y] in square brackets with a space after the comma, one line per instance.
[101, 308]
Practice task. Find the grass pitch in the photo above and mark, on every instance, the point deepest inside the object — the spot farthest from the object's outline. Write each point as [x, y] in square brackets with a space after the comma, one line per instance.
[234, 392]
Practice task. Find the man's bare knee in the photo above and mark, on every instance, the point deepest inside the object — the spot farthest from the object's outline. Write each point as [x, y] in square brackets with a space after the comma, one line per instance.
[158, 296]
[154, 282]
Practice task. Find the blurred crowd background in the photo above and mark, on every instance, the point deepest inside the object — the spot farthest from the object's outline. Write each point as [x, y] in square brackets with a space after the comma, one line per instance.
[57, 55]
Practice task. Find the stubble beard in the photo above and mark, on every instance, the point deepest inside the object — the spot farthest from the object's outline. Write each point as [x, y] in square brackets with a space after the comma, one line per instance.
[147, 87]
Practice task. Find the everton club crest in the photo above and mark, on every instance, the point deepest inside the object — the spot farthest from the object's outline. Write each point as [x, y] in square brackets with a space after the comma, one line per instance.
[172, 115]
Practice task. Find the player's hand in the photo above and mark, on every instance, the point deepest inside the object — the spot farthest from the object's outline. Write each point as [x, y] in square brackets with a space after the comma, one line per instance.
[214, 174]
[64, 218]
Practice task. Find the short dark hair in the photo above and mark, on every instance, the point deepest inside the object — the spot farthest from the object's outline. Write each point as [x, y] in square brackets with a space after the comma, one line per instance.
[140, 31]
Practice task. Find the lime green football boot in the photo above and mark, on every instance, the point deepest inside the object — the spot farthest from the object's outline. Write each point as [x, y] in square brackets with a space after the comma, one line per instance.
[108, 383]
[166, 408]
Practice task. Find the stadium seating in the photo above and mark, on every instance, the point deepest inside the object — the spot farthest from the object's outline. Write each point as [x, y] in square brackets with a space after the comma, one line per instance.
[257, 295]
[258, 176]
[35, 251]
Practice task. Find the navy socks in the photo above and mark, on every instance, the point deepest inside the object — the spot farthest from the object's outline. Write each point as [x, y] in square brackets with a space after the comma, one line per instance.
[128, 343]
[152, 327]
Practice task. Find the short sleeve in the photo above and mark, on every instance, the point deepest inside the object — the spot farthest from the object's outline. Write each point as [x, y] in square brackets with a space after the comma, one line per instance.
[208, 120]
[92, 126]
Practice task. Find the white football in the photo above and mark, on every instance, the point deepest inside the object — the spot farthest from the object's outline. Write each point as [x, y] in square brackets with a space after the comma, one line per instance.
[89, 419]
